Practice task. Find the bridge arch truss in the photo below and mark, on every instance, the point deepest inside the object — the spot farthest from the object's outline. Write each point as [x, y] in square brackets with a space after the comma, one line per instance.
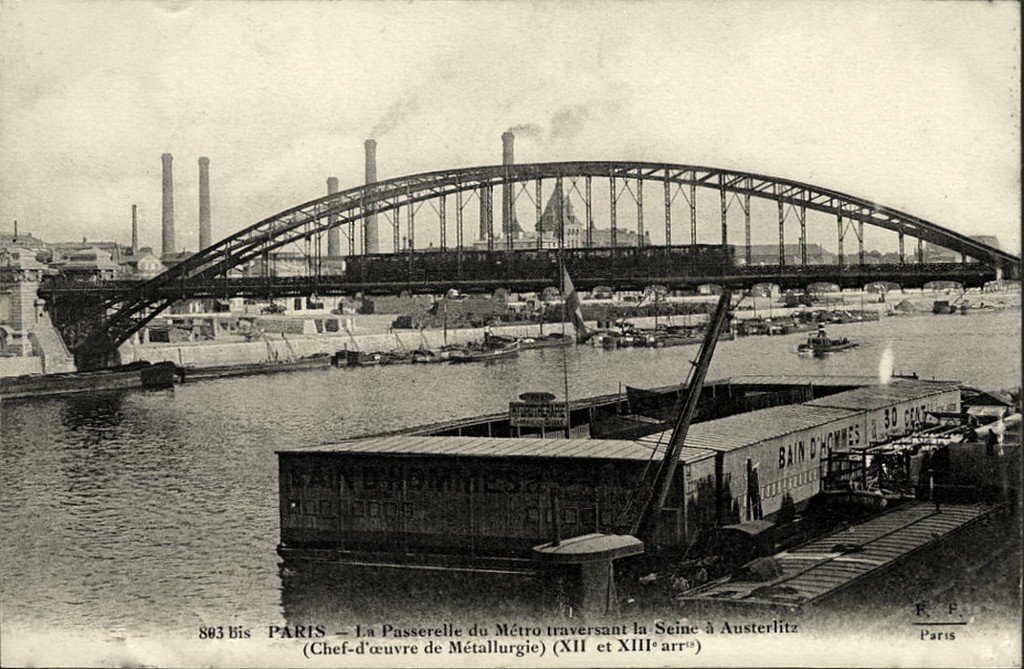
[127, 312]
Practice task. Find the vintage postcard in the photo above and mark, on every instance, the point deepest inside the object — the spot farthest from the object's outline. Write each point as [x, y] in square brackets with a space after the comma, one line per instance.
[510, 334]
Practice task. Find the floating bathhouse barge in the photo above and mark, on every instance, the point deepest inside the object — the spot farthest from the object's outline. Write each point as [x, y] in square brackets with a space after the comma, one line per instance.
[430, 493]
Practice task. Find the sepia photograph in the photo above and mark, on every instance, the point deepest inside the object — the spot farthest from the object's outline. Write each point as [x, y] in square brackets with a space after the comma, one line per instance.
[510, 333]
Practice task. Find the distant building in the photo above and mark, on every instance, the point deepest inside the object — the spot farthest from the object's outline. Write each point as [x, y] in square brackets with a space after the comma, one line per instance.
[171, 259]
[559, 211]
[89, 264]
[143, 264]
[768, 254]
[64, 250]
[285, 263]
[935, 253]
[24, 242]
[988, 240]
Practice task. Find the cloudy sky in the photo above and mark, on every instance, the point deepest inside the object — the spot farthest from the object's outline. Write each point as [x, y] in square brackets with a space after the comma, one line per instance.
[912, 104]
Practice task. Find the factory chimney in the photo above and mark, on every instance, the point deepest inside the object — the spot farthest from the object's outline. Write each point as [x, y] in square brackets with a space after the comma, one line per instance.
[507, 158]
[370, 243]
[135, 229]
[510, 227]
[508, 141]
[334, 234]
[204, 203]
[167, 239]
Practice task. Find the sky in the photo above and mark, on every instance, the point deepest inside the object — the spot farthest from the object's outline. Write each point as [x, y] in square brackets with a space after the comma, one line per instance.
[913, 105]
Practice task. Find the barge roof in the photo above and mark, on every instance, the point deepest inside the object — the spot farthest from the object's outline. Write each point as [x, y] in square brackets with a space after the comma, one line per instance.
[500, 447]
[801, 380]
[884, 395]
[703, 439]
[745, 429]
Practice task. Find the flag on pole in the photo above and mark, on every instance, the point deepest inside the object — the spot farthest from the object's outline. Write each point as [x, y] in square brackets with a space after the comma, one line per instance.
[572, 306]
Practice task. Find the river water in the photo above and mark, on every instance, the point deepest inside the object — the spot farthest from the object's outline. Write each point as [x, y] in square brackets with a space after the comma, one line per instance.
[151, 513]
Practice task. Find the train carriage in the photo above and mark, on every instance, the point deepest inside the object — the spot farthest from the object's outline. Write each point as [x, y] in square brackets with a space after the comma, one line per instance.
[627, 267]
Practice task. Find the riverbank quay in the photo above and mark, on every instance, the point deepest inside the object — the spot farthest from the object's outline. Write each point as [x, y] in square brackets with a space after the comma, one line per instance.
[280, 346]
[373, 333]
[283, 346]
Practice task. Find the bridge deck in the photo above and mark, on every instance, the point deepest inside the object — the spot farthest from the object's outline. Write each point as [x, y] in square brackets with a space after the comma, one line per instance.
[907, 276]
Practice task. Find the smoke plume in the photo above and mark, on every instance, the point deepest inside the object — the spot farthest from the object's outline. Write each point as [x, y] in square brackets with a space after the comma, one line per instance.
[885, 365]
[399, 110]
[526, 130]
[568, 122]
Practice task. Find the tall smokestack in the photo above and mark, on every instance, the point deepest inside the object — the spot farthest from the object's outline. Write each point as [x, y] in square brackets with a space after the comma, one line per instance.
[168, 207]
[507, 158]
[508, 141]
[135, 229]
[370, 243]
[205, 238]
[334, 234]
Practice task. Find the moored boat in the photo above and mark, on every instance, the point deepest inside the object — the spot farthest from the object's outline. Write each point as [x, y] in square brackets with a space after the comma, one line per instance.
[398, 357]
[428, 356]
[471, 354]
[140, 374]
[316, 361]
[364, 358]
[547, 341]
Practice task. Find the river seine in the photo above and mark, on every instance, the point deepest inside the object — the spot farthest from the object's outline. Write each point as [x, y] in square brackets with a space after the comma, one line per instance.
[149, 513]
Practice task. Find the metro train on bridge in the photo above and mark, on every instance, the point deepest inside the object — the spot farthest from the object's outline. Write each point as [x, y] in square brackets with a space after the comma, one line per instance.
[621, 264]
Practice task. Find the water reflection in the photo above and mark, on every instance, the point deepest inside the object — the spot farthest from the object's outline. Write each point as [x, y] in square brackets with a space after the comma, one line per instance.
[340, 595]
[96, 412]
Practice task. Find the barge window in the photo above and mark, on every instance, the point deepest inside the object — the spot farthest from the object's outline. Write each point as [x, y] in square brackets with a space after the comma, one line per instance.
[532, 514]
[570, 516]
[374, 509]
[588, 517]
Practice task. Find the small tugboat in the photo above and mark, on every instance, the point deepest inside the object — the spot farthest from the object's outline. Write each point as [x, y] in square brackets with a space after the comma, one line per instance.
[820, 344]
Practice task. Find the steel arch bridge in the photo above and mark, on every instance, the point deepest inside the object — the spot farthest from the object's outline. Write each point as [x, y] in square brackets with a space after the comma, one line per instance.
[94, 334]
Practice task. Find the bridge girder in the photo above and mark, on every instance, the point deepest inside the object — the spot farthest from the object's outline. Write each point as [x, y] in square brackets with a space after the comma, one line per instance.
[344, 208]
